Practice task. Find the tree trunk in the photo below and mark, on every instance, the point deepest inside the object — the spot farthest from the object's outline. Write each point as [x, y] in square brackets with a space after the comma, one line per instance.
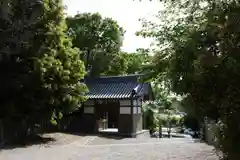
[87, 61]
[1, 133]
[203, 130]
[160, 131]
[169, 133]
[169, 129]
[58, 124]
[150, 131]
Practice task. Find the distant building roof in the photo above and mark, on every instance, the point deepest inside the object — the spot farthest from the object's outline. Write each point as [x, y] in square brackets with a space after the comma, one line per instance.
[116, 87]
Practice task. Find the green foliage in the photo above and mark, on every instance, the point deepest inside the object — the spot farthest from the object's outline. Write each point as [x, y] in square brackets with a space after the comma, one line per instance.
[100, 40]
[199, 43]
[41, 72]
[150, 111]
[161, 93]
[135, 62]
[169, 118]
[20, 85]
[160, 114]
[60, 68]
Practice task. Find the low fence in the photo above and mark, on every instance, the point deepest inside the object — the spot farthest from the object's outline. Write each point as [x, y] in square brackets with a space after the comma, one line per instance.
[14, 131]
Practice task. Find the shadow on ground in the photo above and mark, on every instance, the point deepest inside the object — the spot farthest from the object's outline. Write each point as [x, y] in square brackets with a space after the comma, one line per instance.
[52, 138]
[26, 141]
[111, 137]
[107, 136]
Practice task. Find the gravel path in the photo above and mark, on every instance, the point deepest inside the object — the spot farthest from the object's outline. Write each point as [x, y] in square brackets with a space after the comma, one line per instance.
[97, 148]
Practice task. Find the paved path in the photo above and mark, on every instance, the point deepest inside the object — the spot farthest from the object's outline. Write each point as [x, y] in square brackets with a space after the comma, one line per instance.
[96, 148]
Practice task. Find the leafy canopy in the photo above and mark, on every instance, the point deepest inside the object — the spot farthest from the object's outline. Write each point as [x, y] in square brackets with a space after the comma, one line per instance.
[100, 40]
[41, 72]
[135, 62]
[199, 45]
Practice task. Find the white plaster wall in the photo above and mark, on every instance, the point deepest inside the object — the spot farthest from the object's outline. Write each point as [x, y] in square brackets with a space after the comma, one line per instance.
[88, 110]
[125, 110]
[125, 102]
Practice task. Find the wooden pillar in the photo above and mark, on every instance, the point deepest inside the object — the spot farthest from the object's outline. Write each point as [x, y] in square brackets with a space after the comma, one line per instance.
[89, 117]
[125, 122]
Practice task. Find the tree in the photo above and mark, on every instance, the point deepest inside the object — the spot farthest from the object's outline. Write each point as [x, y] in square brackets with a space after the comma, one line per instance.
[170, 119]
[135, 62]
[60, 68]
[41, 72]
[150, 111]
[100, 40]
[160, 113]
[19, 83]
[201, 60]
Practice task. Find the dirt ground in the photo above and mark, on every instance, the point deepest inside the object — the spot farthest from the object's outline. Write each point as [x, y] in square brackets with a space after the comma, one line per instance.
[93, 147]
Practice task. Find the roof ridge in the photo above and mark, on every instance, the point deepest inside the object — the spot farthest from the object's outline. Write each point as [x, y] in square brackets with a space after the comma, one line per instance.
[129, 75]
[114, 79]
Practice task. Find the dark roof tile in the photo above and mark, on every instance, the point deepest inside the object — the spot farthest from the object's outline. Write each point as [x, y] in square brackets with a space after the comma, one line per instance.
[110, 90]
[118, 87]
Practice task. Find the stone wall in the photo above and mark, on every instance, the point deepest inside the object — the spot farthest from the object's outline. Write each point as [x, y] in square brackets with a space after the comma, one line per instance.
[137, 123]
[137, 116]
[210, 130]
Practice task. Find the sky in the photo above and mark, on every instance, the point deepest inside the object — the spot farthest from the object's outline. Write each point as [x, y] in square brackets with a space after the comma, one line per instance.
[125, 12]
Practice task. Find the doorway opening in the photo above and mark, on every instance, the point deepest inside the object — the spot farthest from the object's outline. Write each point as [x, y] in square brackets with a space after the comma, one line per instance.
[107, 116]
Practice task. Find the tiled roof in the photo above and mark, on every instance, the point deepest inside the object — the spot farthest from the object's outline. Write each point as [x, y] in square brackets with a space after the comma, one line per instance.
[119, 87]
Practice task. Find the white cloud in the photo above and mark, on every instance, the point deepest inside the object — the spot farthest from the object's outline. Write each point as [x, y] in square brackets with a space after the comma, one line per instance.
[125, 12]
